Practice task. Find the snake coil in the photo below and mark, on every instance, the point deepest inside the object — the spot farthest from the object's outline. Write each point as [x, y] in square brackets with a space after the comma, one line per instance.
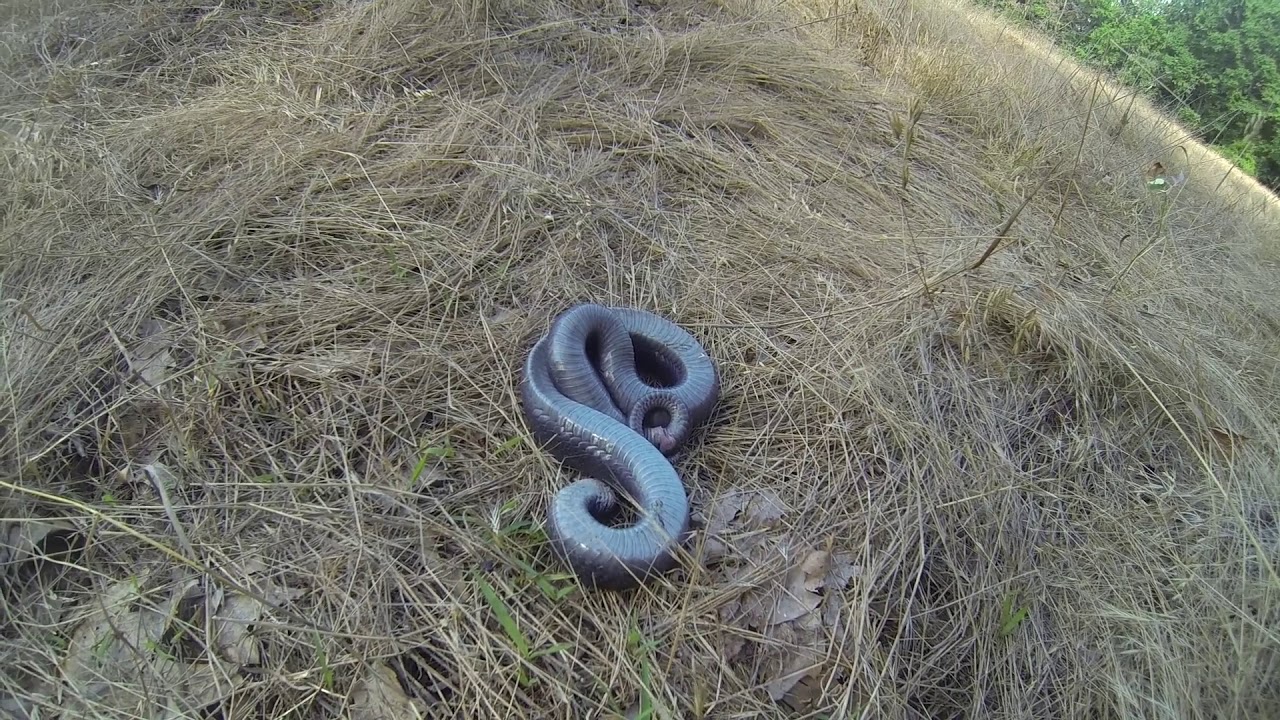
[586, 399]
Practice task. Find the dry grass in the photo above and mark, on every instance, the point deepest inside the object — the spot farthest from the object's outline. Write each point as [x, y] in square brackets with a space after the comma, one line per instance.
[270, 270]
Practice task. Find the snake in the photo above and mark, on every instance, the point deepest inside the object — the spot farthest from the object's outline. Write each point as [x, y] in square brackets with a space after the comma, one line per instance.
[613, 393]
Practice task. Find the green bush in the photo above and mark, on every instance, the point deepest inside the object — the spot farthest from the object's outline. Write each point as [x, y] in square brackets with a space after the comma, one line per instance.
[1213, 63]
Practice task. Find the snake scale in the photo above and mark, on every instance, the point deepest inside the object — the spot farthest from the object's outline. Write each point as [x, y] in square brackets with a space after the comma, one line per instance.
[612, 392]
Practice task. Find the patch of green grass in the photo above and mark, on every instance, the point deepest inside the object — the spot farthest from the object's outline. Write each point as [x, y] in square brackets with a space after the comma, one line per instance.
[525, 651]
[1010, 617]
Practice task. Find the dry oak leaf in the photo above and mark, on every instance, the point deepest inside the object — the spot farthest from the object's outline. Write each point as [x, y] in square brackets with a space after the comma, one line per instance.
[749, 511]
[801, 593]
[380, 697]
[801, 665]
[22, 539]
[118, 659]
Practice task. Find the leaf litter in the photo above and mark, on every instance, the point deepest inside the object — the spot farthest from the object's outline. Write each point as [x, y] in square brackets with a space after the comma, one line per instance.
[151, 357]
[379, 696]
[791, 598]
[22, 540]
[151, 647]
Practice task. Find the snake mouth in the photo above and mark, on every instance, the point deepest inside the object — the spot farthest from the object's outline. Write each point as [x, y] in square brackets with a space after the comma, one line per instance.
[663, 438]
[663, 418]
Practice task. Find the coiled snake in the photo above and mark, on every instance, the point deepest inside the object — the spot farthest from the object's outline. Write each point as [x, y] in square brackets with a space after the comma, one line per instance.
[586, 399]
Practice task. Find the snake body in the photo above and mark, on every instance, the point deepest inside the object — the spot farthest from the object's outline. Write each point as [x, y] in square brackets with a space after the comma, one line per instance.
[586, 399]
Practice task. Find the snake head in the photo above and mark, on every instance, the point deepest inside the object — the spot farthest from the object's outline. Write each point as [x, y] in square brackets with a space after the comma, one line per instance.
[663, 439]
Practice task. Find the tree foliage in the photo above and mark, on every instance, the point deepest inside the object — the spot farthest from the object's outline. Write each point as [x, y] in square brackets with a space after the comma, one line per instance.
[1213, 63]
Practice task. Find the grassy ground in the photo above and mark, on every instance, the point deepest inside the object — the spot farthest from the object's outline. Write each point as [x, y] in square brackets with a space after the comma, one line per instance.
[999, 428]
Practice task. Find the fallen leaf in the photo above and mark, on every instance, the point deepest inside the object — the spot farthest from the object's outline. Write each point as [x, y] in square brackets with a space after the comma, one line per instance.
[252, 565]
[798, 597]
[150, 359]
[118, 658]
[815, 567]
[23, 539]
[102, 645]
[193, 687]
[715, 521]
[501, 314]
[25, 707]
[320, 366]
[246, 337]
[712, 551]
[796, 608]
[724, 510]
[780, 596]
[842, 570]
[1227, 440]
[806, 693]
[232, 626]
[279, 595]
[428, 472]
[764, 510]
[161, 476]
[798, 666]
[378, 696]
[732, 646]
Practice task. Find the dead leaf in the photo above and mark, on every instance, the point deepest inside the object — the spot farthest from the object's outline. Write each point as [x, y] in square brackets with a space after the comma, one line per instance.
[278, 595]
[197, 686]
[732, 646]
[150, 359]
[805, 694]
[815, 567]
[1227, 440]
[275, 594]
[232, 628]
[798, 597]
[758, 509]
[245, 336]
[794, 664]
[724, 510]
[842, 570]
[118, 658]
[234, 613]
[715, 524]
[22, 708]
[801, 662]
[252, 565]
[23, 540]
[748, 513]
[764, 510]
[161, 476]
[433, 474]
[796, 610]
[501, 314]
[380, 697]
[712, 551]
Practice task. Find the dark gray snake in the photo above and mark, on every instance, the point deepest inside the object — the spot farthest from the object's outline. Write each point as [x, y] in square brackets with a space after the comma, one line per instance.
[586, 399]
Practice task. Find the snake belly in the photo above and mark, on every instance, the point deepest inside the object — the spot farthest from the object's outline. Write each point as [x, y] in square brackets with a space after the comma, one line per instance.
[581, 383]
